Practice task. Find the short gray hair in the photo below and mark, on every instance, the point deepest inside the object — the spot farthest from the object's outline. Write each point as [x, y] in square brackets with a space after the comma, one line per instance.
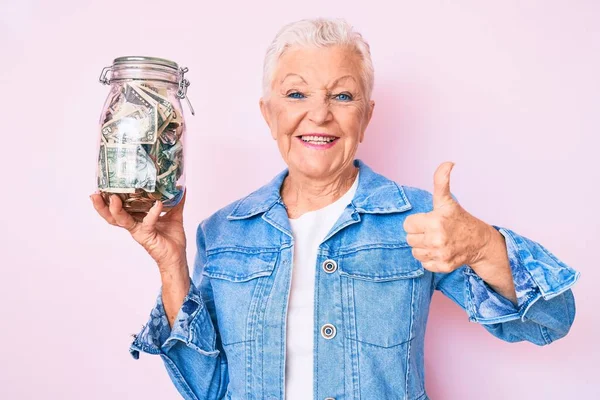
[318, 32]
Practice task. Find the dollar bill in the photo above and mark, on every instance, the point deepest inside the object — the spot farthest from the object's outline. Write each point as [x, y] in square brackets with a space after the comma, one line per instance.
[131, 128]
[134, 95]
[129, 167]
[166, 182]
[169, 135]
[164, 105]
[102, 172]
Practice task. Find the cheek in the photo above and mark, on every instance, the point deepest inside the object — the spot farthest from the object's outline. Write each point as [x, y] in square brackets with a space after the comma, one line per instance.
[351, 121]
[288, 118]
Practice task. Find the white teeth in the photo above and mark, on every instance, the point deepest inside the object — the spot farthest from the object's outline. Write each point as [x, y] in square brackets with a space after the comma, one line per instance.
[318, 139]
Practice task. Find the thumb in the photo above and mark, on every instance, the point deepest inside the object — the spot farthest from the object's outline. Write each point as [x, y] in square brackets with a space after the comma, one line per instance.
[441, 185]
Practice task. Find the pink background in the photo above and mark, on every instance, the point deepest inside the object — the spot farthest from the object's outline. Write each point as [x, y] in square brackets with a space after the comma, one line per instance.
[509, 91]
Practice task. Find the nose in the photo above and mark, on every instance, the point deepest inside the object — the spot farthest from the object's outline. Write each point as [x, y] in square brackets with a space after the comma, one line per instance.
[320, 112]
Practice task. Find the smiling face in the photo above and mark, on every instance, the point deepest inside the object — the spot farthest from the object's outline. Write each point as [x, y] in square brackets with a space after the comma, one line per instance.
[317, 110]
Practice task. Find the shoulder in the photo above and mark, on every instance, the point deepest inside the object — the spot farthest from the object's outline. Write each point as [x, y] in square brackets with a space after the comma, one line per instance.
[218, 219]
[230, 224]
[421, 200]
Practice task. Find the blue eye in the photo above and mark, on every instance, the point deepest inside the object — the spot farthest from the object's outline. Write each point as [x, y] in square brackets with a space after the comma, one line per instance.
[295, 95]
[344, 97]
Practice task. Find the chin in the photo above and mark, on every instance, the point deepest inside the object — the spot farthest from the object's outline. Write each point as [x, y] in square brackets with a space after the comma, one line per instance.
[316, 167]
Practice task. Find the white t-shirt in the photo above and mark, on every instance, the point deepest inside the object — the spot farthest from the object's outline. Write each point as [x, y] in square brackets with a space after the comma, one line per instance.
[308, 230]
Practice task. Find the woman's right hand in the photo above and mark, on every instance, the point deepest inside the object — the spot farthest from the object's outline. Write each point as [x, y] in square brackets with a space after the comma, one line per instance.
[162, 237]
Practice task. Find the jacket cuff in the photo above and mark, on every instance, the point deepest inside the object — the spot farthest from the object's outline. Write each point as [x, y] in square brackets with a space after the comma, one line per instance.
[536, 272]
[192, 326]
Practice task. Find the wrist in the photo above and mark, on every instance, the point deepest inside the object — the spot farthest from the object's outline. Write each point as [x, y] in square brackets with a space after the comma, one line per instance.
[491, 250]
[173, 270]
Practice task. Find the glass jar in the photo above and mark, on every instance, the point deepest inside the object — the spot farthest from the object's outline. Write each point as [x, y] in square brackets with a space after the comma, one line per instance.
[141, 148]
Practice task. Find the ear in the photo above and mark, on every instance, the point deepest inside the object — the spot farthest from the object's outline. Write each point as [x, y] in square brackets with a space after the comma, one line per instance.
[265, 111]
[371, 108]
[369, 115]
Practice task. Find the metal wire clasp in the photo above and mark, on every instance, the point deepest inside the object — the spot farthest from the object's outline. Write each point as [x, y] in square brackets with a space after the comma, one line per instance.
[183, 85]
[104, 75]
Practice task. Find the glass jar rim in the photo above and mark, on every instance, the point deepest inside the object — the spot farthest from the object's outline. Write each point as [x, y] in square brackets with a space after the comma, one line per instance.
[119, 61]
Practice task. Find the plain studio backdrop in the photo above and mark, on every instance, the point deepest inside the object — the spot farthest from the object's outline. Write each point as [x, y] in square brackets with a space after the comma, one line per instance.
[509, 91]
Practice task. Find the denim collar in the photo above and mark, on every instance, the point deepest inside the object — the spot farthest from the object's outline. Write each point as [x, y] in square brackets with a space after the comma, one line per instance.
[375, 194]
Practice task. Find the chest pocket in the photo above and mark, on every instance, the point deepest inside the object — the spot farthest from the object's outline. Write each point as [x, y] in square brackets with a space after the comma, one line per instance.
[380, 289]
[239, 281]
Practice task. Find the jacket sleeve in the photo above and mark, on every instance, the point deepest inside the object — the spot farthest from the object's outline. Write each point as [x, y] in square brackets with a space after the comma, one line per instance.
[191, 350]
[546, 306]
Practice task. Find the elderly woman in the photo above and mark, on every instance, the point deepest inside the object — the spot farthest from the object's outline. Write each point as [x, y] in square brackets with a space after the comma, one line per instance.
[318, 284]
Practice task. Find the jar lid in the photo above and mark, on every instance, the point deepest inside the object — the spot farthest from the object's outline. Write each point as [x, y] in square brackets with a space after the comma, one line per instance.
[120, 63]
[145, 60]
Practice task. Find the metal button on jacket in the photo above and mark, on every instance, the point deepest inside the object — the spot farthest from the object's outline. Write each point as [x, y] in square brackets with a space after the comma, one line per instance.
[329, 398]
[328, 331]
[329, 266]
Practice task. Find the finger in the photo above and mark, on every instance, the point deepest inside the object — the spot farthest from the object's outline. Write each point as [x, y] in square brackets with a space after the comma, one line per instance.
[430, 265]
[102, 209]
[153, 214]
[422, 255]
[416, 240]
[122, 218]
[416, 223]
[441, 185]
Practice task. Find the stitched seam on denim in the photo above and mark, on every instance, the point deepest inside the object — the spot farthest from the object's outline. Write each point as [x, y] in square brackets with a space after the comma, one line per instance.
[276, 225]
[401, 191]
[386, 210]
[261, 208]
[562, 288]
[353, 250]
[242, 249]
[421, 396]
[529, 301]
[238, 278]
[343, 336]
[238, 342]
[386, 278]
[544, 333]
[284, 324]
[191, 333]
[469, 303]
[264, 207]
[316, 345]
[352, 315]
[253, 318]
[140, 346]
[379, 346]
[412, 316]
[260, 338]
[184, 385]
[248, 358]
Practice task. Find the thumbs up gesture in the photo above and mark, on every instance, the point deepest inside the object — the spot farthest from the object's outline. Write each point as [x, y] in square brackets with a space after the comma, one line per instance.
[448, 236]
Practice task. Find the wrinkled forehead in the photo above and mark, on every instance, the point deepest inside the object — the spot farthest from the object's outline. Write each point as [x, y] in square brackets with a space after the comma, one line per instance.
[318, 66]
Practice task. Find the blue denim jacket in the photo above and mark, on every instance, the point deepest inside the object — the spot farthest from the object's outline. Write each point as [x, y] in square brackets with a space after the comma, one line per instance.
[228, 340]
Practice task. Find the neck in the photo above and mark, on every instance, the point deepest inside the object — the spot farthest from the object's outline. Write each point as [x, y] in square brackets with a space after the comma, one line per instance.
[302, 194]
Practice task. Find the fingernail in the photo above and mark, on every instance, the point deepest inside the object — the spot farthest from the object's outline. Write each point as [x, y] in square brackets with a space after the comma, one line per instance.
[110, 200]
